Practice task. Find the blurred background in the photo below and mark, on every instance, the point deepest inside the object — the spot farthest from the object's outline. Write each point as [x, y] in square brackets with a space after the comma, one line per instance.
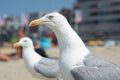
[97, 22]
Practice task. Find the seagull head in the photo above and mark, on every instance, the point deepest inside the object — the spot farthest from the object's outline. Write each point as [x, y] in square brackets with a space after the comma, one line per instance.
[24, 42]
[50, 20]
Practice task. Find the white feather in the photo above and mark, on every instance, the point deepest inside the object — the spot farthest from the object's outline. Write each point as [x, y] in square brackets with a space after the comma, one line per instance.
[72, 48]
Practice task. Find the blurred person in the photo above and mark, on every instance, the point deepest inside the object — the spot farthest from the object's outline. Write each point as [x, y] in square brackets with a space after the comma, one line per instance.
[50, 35]
[18, 54]
[4, 57]
[45, 40]
[38, 49]
[20, 34]
[54, 42]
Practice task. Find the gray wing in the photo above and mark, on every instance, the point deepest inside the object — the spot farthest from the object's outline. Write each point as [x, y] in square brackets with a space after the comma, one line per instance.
[48, 67]
[90, 73]
[93, 61]
[96, 69]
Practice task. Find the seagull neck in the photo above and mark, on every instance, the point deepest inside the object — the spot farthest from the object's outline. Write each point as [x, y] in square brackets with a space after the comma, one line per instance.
[68, 38]
[72, 48]
[30, 56]
[27, 49]
[31, 48]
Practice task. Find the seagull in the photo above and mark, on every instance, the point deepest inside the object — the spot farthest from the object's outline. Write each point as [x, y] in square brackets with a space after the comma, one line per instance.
[76, 62]
[38, 66]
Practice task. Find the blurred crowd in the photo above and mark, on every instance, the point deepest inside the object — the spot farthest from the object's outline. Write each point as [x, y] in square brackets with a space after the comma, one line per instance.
[8, 52]
[47, 39]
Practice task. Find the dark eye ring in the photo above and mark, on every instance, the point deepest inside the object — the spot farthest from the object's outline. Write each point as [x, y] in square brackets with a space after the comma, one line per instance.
[25, 40]
[50, 17]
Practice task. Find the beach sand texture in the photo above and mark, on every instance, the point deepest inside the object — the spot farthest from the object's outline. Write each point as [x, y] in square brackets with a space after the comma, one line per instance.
[16, 70]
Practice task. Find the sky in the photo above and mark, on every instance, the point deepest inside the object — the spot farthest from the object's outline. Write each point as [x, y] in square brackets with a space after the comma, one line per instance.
[16, 7]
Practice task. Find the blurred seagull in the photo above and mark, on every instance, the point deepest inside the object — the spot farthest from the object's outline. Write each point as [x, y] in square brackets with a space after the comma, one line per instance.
[38, 66]
[76, 62]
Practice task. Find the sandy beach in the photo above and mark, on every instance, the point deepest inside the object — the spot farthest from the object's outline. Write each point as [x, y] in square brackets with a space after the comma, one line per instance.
[16, 70]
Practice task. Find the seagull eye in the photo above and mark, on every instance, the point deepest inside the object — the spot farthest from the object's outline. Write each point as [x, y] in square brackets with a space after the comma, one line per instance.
[25, 40]
[50, 17]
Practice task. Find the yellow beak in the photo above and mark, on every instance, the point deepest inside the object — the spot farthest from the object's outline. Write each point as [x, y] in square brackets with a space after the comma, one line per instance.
[36, 22]
[17, 44]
